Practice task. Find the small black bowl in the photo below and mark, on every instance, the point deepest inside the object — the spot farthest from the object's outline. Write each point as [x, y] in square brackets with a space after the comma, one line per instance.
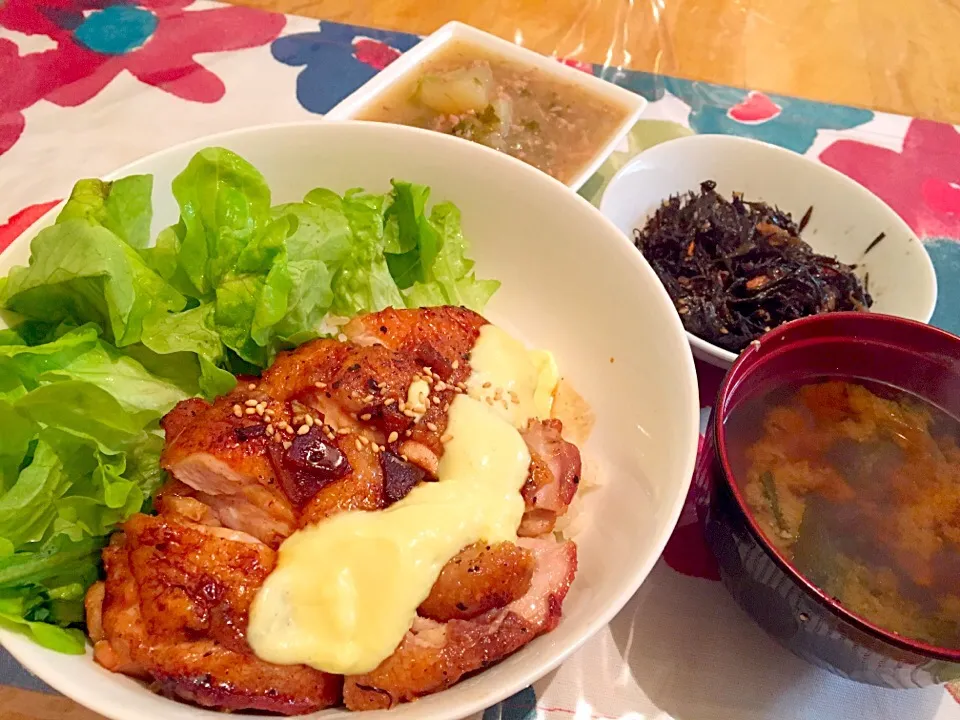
[812, 624]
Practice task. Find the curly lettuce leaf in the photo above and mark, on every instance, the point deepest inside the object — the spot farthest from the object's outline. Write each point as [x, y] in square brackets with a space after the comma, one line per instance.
[123, 207]
[33, 612]
[362, 281]
[431, 265]
[186, 349]
[224, 204]
[79, 453]
[80, 272]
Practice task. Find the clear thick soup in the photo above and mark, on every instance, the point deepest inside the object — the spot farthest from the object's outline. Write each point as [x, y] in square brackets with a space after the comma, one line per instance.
[468, 92]
[858, 484]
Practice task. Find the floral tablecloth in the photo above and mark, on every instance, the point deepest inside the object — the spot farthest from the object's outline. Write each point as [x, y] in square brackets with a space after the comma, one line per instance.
[88, 85]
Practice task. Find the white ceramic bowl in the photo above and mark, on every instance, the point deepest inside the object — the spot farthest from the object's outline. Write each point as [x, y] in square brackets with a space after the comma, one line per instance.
[571, 283]
[846, 216]
[406, 66]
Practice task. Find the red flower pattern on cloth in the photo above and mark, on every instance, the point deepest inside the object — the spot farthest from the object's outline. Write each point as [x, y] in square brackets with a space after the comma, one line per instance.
[156, 41]
[372, 52]
[21, 220]
[754, 108]
[922, 182]
[45, 71]
[578, 64]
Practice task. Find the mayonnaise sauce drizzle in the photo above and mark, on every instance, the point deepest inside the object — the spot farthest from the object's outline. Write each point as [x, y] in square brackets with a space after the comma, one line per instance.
[345, 591]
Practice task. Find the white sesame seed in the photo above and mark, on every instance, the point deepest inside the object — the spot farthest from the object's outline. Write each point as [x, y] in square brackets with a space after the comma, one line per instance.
[431, 427]
[303, 430]
[251, 403]
[445, 438]
[402, 405]
[513, 398]
[341, 337]
[409, 413]
[368, 399]
[252, 386]
[440, 386]
[287, 444]
[393, 437]
[408, 433]
[359, 446]
[238, 411]
[308, 419]
[289, 429]
[320, 385]
[343, 431]
[269, 413]
[489, 401]
[364, 440]
[269, 429]
[404, 457]
[498, 394]
[366, 416]
[455, 364]
[250, 411]
[389, 401]
[487, 384]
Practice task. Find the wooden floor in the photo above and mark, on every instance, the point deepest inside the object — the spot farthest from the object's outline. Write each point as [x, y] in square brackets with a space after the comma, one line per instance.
[901, 56]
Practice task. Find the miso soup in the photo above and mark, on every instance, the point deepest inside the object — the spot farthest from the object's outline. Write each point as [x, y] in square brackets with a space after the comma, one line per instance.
[468, 92]
[858, 484]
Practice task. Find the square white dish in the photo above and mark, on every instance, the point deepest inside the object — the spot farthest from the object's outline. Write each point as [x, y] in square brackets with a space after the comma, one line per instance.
[399, 72]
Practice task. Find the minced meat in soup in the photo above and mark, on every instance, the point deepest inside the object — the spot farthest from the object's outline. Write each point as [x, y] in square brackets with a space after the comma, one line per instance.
[550, 124]
[859, 486]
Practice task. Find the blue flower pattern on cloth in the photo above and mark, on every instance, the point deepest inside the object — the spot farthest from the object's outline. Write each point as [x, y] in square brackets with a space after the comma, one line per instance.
[945, 254]
[713, 110]
[522, 706]
[318, 90]
[117, 29]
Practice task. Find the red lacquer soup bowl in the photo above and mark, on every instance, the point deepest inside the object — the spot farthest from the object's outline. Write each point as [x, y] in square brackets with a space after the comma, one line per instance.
[915, 357]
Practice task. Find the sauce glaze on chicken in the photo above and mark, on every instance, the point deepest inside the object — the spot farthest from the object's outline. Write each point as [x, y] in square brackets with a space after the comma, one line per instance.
[328, 428]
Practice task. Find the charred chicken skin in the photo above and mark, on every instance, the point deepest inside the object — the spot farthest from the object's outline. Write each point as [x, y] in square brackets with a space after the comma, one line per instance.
[330, 427]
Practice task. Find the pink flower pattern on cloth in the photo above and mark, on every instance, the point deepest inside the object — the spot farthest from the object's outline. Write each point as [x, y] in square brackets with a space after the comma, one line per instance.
[154, 40]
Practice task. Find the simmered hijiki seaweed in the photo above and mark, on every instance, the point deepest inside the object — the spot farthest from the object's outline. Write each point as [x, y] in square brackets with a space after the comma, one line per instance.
[737, 269]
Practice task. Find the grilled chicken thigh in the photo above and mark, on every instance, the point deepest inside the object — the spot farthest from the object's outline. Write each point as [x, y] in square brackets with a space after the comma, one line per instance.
[331, 426]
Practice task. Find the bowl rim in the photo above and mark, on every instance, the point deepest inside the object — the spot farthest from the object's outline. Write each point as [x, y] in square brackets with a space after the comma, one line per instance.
[408, 63]
[536, 667]
[717, 355]
[722, 408]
